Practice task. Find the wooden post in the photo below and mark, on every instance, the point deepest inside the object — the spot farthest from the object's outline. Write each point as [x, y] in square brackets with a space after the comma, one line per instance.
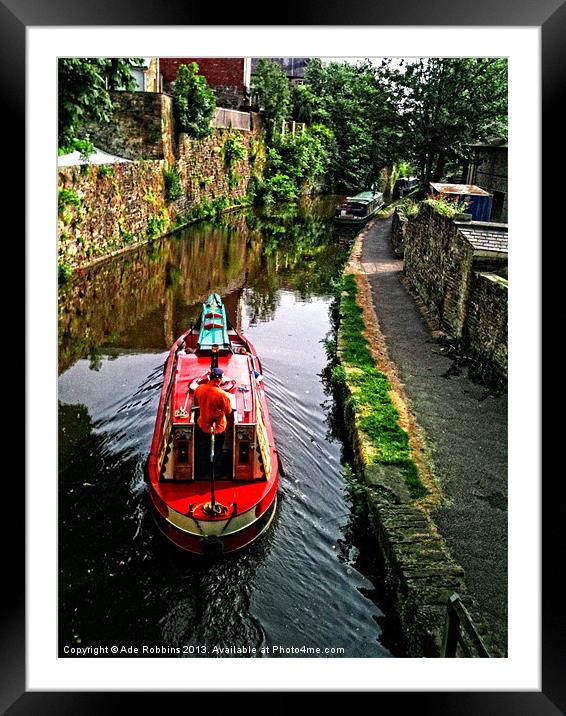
[451, 631]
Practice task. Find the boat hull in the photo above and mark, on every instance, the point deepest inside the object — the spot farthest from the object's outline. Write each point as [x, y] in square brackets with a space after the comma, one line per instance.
[217, 545]
[354, 220]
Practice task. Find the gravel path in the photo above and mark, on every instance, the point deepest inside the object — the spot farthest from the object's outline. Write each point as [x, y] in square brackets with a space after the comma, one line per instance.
[465, 426]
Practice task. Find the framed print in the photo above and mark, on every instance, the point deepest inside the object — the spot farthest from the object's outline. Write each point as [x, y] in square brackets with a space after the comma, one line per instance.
[90, 685]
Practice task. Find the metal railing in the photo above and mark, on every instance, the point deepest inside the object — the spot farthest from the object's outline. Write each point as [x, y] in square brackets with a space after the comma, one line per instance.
[460, 631]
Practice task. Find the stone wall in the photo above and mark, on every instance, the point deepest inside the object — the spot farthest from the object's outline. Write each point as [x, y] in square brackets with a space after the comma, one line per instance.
[140, 128]
[398, 226]
[104, 210]
[203, 170]
[485, 335]
[464, 289]
[109, 208]
[438, 264]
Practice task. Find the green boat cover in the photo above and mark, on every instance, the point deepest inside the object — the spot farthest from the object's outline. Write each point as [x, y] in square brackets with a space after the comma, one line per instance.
[213, 325]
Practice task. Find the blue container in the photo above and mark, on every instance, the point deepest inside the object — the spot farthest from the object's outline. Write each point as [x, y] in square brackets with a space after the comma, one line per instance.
[479, 201]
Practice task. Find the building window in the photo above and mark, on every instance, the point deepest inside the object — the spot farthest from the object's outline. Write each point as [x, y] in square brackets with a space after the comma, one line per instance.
[139, 76]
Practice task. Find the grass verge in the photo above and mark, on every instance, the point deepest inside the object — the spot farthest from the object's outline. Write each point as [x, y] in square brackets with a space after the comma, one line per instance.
[376, 414]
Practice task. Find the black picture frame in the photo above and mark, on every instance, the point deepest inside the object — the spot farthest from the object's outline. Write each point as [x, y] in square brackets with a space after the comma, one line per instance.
[15, 17]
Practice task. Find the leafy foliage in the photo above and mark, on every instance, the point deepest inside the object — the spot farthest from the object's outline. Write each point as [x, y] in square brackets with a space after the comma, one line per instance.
[105, 170]
[270, 86]
[280, 187]
[296, 162]
[233, 150]
[403, 116]
[172, 184]
[443, 104]
[410, 208]
[445, 206]
[64, 271]
[68, 197]
[351, 102]
[193, 101]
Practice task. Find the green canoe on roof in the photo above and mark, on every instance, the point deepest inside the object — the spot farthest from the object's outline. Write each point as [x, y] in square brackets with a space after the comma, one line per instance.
[213, 325]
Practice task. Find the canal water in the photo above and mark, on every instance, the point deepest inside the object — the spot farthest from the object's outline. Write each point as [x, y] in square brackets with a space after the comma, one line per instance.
[303, 585]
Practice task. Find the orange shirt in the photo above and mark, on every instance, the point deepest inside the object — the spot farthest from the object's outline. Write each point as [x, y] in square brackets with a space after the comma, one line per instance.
[214, 406]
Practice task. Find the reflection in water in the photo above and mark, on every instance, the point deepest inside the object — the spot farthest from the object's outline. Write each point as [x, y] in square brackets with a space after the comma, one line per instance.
[146, 298]
[120, 581]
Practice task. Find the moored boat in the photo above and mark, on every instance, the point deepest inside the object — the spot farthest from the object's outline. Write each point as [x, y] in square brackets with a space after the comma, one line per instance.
[359, 208]
[206, 499]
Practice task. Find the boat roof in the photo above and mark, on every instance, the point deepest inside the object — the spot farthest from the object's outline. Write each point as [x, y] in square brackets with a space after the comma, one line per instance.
[364, 196]
[458, 189]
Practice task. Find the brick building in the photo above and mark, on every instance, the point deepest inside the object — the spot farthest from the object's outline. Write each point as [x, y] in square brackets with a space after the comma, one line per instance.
[228, 77]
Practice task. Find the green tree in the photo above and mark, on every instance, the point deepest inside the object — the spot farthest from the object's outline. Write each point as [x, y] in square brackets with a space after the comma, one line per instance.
[354, 104]
[443, 104]
[193, 101]
[271, 88]
[304, 157]
[83, 93]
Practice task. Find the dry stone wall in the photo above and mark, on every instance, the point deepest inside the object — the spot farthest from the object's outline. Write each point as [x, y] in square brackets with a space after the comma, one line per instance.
[457, 287]
[109, 208]
[141, 126]
[398, 227]
[485, 337]
[438, 263]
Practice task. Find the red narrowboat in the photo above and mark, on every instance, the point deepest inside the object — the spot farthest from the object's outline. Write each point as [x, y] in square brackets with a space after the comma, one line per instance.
[210, 500]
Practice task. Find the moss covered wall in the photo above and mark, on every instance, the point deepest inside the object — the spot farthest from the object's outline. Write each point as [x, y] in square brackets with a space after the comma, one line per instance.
[485, 334]
[108, 208]
[452, 279]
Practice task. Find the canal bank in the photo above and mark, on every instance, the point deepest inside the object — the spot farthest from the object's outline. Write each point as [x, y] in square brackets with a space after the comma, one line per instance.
[451, 538]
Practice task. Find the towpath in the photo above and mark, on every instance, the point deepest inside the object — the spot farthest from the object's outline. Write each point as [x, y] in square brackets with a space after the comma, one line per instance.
[465, 427]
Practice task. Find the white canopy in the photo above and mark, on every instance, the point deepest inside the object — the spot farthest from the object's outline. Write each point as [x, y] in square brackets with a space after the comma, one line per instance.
[98, 157]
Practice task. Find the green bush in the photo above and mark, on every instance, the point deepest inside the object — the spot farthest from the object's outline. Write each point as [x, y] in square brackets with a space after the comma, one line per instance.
[84, 146]
[445, 206]
[65, 271]
[410, 208]
[233, 151]
[280, 188]
[194, 102]
[105, 170]
[172, 184]
[156, 225]
[68, 197]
